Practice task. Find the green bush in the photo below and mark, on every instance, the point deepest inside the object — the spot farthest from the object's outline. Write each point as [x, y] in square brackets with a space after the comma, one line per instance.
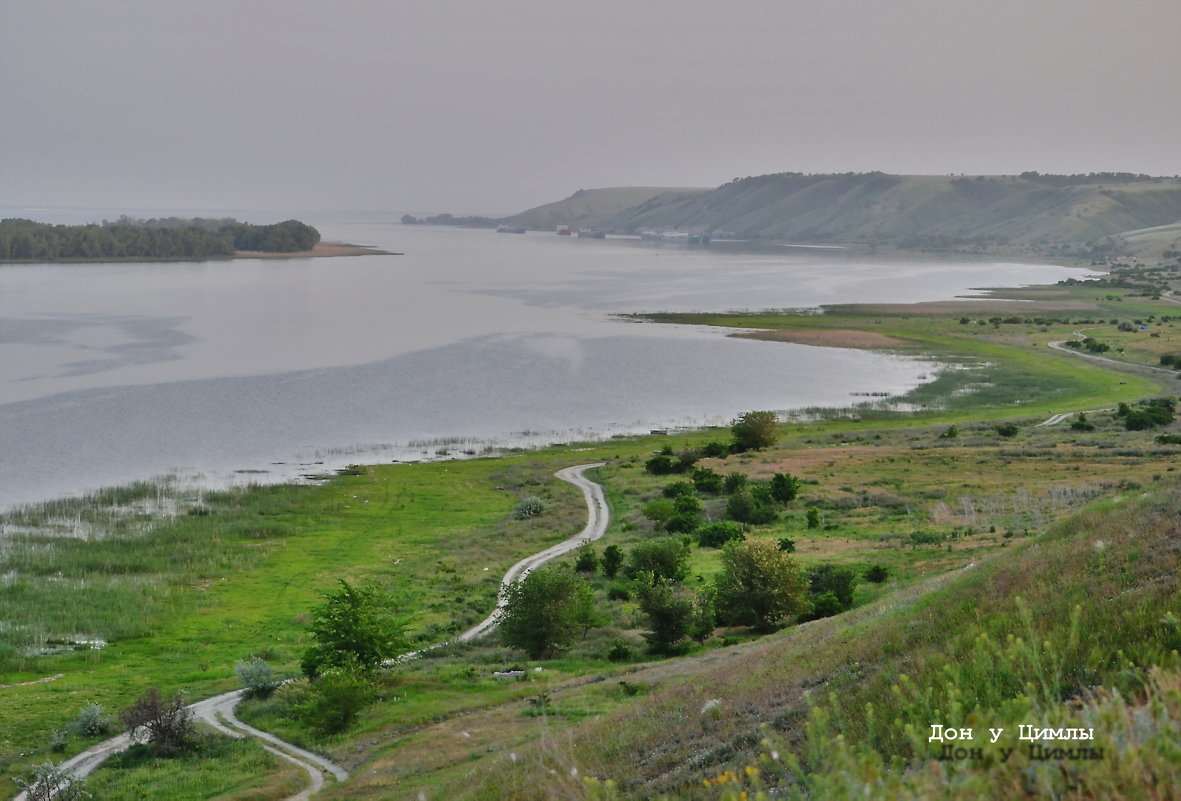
[92, 720]
[715, 535]
[256, 677]
[334, 700]
[528, 507]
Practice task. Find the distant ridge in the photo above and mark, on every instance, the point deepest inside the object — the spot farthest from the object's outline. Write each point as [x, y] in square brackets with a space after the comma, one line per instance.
[901, 210]
[596, 208]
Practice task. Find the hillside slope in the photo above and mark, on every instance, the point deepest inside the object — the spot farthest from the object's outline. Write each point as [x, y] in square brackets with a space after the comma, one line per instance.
[1077, 630]
[593, 208]
[915, 210]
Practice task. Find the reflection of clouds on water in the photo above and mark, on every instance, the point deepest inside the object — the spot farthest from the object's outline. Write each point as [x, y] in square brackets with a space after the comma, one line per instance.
[85, 344]
[557, 347]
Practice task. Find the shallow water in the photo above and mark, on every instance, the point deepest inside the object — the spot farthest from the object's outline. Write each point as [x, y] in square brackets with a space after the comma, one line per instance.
[117, 372]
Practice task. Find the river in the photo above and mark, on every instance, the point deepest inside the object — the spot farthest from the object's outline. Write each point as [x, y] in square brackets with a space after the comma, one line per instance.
[219, 372]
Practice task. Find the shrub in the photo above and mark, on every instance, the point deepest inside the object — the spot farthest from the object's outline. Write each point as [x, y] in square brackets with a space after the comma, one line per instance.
[53, 783]
[58, 740]
[838, 580]
[167, 724]
[733, 482]
[92, 720]
[528, 507]
[619, 651]
[618, 592]
[877, 574]
[661, 464]
[256, 677]
[586, 561]
[334, 701]
[664, 557]
[715, 450]
[707, 481]
[612, 560]
[678, 488]
[1006, 429]
[787, 545]
[715, 535]
[813, 517]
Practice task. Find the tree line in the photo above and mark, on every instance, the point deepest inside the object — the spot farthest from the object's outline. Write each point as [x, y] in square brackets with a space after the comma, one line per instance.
[173, 238]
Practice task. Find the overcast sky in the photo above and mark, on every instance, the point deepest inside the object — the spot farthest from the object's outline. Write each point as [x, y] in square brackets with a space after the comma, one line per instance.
[478, 106]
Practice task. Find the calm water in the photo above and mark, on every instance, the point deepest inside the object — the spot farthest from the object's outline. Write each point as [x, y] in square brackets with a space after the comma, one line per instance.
[217, 370]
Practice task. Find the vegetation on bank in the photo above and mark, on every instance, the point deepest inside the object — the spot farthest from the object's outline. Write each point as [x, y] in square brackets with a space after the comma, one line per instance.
[163, 239]
[906, 540]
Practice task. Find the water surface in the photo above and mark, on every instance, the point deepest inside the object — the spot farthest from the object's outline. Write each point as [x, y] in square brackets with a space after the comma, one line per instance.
[117, 372]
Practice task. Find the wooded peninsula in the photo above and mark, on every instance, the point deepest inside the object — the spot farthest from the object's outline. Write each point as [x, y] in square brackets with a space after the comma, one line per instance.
[156, 239]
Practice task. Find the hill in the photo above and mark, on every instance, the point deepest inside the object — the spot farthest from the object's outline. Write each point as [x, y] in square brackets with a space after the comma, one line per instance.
[912, 211]
[596, 208]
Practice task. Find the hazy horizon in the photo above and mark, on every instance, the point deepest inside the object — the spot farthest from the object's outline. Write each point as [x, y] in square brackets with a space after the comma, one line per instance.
[447, 106]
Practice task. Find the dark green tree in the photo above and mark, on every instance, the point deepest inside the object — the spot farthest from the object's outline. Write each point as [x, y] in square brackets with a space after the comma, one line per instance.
[754, 431]
[546, 611]
[669, 610]
[612, 560]
[759, 586]
[785, 487]
[665, 558]
[354, 629]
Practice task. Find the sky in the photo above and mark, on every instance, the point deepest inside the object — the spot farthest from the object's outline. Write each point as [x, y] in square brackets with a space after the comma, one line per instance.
[492, 107]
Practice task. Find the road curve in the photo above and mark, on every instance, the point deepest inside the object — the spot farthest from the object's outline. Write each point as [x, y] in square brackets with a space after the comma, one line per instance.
[596, 525]
[218, 711]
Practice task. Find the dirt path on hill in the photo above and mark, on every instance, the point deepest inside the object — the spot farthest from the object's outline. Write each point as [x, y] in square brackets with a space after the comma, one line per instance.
[218, 711]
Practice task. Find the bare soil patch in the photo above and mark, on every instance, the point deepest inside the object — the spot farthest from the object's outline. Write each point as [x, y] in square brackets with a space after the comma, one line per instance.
[319, 250]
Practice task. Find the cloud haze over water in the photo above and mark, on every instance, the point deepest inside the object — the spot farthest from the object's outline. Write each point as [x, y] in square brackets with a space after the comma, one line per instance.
[470, 107]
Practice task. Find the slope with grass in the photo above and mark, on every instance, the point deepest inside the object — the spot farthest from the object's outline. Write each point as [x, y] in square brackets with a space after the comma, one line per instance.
[910, 210]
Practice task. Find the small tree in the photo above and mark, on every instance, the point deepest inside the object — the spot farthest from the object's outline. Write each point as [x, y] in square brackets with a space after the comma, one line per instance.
[759, 585]
[353, 629]
[835, 580]
[813, 517]
[665, 558]
[166, 724]
[53, 783]
[669, 609]
[754, 431]
[544, 612]
[785, 487]
[612, 560]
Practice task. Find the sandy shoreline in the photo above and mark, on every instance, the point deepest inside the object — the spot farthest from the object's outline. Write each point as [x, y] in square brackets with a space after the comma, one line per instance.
[319, 250]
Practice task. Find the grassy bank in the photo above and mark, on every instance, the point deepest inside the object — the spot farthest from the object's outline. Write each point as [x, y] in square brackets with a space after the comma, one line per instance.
[151, 585]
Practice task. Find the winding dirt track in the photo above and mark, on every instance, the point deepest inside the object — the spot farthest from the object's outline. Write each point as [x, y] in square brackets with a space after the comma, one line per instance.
[218, 711]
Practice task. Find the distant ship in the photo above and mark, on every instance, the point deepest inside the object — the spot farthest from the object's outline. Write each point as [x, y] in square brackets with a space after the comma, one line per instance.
[564, 230]
[508, 229]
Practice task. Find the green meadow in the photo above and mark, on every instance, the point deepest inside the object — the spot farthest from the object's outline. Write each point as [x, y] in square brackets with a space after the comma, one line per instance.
[1032, 579]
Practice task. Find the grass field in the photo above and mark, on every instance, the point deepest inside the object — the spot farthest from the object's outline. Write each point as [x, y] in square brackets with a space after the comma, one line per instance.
[153, 585]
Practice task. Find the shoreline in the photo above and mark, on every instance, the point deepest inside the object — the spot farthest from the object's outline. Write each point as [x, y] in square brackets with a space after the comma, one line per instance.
[319, 250]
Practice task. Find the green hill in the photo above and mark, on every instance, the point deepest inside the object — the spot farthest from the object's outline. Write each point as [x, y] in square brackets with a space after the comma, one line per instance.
[595, 208]
[912, 211]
